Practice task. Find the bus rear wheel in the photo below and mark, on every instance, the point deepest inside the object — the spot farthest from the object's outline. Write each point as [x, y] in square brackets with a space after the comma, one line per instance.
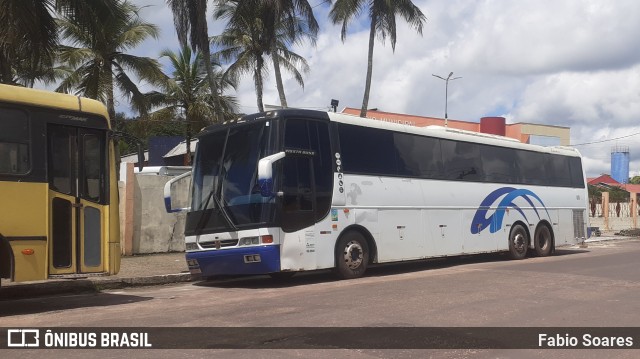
[352, 255]
[518, 242]
[542, 241]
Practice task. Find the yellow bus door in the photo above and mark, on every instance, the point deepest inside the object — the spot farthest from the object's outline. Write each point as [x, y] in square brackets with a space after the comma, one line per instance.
[77, 200]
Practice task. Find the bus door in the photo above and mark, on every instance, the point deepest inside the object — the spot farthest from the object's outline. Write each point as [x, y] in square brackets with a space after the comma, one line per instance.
[76, 175]
[307, 186]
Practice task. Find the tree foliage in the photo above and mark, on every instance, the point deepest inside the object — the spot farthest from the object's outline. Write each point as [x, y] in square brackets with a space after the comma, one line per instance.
[186, 96]
[98, 55]
[616, 194]
[382, 17]
[29, 36]
[257, 30]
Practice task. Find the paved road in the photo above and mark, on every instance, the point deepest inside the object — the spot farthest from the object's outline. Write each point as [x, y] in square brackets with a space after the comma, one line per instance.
[597, 286]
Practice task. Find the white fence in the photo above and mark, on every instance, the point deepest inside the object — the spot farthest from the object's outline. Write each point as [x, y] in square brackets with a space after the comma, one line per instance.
[614, 215]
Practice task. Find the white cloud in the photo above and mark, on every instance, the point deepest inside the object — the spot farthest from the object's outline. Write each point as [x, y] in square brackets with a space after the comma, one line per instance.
[562, 62]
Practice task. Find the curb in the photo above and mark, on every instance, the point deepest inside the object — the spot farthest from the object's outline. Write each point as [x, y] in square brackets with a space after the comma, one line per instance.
[44, 288]
[610, 238]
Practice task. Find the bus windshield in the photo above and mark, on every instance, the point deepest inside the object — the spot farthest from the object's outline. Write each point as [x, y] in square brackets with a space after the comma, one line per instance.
[226, 194]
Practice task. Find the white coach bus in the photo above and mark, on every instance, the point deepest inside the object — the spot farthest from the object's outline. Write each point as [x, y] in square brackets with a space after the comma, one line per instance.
[297, 190]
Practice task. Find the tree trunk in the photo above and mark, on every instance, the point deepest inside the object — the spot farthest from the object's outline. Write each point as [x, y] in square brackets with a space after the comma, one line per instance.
[367, 86]
[212, 82]
[279, 85]
[257, 76]
[111, 107]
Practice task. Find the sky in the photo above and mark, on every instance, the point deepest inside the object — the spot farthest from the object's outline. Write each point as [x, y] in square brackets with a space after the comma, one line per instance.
[573, 63]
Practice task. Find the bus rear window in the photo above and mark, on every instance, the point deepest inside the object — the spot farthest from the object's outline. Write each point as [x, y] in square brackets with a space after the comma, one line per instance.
[14, 142]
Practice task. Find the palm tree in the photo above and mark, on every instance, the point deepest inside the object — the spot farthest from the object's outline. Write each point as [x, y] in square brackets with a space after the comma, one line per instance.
[99, 57]
[187, 95]
[382, 14]
[190, 20]
[241, 42]
[247, 40]
[29, 35]
[282, 56]
[284, 23]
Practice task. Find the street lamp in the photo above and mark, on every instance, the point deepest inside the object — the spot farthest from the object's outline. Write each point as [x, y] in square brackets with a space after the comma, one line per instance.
[446, 92]
[334, 104]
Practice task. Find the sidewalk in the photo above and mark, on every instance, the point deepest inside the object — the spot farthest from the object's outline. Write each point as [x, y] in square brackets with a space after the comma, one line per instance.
[140, 270]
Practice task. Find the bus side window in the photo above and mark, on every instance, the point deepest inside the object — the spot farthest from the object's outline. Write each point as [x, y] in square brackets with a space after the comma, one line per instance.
[462, 161]
[14, 142]
[92, 168]
[14, 158]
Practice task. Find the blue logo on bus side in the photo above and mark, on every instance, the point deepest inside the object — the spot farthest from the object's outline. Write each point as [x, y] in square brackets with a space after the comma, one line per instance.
[494, 221]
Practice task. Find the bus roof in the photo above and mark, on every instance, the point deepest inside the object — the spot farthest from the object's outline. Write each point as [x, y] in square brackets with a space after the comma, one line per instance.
[432, 131]
[49, 99]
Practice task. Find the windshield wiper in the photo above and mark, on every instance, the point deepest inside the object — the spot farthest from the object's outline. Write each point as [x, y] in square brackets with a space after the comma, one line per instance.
[224, 213]
[205, 216]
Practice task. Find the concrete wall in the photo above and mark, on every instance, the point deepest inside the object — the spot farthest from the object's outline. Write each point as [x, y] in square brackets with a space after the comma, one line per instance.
[615, 223]
[152, 229]
[155, 230]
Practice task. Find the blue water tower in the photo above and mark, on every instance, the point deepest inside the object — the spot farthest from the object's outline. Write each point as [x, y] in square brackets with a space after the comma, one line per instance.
[620, 163]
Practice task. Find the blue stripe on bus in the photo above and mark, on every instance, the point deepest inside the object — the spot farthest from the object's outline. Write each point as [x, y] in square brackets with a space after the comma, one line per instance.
[232, 261]
[494, 221]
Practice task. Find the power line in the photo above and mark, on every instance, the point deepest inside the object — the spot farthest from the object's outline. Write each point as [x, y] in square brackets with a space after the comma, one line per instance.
[320, 3]
[609, 140]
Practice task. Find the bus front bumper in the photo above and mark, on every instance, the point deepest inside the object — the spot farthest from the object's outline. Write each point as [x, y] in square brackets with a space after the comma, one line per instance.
[235, 261]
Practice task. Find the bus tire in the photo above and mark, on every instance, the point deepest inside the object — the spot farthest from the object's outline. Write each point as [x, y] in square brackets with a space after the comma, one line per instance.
[518, 242]
[352, 255]
[542, 241]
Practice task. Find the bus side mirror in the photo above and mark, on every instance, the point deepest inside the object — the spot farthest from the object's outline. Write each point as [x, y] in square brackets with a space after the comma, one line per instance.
[167, 194]
[265, 173]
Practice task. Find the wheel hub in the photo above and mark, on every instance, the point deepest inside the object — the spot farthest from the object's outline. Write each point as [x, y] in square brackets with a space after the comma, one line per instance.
[518, 242]
[353, 255]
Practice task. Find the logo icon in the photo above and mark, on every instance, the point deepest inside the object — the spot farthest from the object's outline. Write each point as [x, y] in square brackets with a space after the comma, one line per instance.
[23, 338]
[507, 196]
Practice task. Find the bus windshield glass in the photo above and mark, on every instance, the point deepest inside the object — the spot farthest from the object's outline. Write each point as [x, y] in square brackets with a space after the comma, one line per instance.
[226, 175]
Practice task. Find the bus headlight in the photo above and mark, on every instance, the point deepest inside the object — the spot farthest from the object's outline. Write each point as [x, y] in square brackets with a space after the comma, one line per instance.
[247, 241]
[191, 246]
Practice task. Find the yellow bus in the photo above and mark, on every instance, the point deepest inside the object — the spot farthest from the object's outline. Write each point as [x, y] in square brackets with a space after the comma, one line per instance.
[58, 187]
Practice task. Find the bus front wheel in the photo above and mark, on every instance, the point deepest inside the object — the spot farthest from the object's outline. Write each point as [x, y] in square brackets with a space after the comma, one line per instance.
[518, 242]
[542, 241]
[352, 255]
